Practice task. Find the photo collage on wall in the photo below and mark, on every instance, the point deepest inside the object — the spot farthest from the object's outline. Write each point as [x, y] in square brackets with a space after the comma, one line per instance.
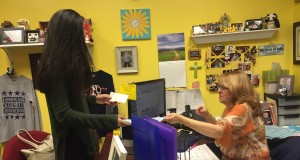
[221, 59]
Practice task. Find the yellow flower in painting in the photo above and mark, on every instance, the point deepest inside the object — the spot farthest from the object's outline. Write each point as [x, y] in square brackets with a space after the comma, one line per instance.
[135, 23]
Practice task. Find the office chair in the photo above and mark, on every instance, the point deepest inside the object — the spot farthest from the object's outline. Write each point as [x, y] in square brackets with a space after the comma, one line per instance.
[14, 145]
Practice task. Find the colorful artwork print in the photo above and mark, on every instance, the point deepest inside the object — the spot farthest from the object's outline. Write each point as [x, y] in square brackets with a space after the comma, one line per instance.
[135, 24]
[171, 47]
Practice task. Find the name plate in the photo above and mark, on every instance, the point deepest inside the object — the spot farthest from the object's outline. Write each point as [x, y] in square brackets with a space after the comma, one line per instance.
[271, 50]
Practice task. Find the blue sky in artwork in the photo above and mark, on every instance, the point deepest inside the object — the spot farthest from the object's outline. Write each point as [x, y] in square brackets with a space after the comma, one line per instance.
[170, 41]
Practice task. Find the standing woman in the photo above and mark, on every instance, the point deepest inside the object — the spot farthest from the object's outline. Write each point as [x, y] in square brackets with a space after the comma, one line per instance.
[240, 133]
[63, 75]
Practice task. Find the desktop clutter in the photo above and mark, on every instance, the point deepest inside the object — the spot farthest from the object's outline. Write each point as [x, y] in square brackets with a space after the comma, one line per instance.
[173, 139]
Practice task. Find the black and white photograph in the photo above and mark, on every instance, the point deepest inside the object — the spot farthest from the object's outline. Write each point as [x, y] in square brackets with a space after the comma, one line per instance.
[254, 24]
[12, 35]
[32, 36]
[126, 58]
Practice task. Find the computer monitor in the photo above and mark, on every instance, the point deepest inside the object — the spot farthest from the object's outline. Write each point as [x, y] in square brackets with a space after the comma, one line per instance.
[150, 101]
[146, 139]
[168, 139]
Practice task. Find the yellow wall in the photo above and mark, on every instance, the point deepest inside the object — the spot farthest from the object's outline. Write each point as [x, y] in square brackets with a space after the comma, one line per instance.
[168, 16]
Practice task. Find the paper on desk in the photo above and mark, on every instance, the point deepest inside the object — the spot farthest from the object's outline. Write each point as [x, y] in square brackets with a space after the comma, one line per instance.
[118, 97]
[200, 152]
[159, 119]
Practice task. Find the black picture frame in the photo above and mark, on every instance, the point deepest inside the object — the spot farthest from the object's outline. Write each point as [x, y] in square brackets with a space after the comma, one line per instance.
[12, 36]
[254, 24]
[296, 38]
[194, 54]
[32, 36]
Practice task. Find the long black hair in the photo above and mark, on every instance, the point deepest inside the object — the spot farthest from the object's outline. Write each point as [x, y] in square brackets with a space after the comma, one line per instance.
[65, 54]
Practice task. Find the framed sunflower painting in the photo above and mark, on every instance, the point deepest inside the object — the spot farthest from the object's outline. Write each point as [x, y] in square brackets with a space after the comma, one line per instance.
[135, 24]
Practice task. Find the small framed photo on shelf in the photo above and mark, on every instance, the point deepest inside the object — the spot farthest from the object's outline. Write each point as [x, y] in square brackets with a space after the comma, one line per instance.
[126, 57]
[199, 29]
[285, 85]
[12, 36]
[254, 24]
[239, 27]
[32, 36]
[194, 54]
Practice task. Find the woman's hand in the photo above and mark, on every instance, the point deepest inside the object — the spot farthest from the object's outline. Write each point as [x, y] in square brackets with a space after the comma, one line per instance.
[202, 111]
[105, 99]
[173, 118]
[121, 123]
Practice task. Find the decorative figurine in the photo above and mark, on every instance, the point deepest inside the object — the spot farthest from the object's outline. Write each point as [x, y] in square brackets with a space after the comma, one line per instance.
[23, 23]
[7, 24]
[224, 20]
[87, 30]
[272, 21]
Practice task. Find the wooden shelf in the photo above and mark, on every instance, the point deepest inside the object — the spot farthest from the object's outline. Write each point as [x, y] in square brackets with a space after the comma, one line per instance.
[233, 36]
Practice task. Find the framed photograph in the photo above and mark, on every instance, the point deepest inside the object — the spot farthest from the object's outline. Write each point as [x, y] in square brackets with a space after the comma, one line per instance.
[254, 24]
[194, 54]
[117, 150]
[32, 36]
[267, 118]
[34, 59]
[239, 27]
[199, 29]
[12, 35]
[285, 85]
[126, 57]
[296, 43]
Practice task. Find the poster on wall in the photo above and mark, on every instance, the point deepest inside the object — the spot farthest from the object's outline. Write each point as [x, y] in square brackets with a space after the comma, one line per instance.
[135, 24]
[171, 57]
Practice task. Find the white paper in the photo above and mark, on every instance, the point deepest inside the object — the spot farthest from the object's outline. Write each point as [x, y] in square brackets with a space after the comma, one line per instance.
[118, 97]
[200, 152]
[180, 98]
[174, 73]
[159, 119]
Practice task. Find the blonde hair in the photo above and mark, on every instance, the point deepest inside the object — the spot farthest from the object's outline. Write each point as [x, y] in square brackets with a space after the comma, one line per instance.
[238, 83]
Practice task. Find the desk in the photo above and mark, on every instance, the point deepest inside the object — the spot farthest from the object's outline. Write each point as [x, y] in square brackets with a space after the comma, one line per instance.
[211, 145]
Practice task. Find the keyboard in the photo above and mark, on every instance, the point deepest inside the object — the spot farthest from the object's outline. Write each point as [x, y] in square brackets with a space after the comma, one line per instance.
[186, 138]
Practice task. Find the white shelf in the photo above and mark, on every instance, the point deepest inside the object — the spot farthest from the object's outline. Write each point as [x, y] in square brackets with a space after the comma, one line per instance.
[31, 45]
[8, 49]
[233, 36]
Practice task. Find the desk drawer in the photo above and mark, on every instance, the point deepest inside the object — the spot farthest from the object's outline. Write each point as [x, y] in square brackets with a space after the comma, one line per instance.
[289, 110]
[288, 102]
[289, 120]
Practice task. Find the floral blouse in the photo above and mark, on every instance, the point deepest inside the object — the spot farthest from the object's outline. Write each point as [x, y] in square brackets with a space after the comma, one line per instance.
[244, 137]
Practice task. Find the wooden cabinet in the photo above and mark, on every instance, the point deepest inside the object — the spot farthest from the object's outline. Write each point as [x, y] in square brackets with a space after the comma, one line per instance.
[288, 108]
